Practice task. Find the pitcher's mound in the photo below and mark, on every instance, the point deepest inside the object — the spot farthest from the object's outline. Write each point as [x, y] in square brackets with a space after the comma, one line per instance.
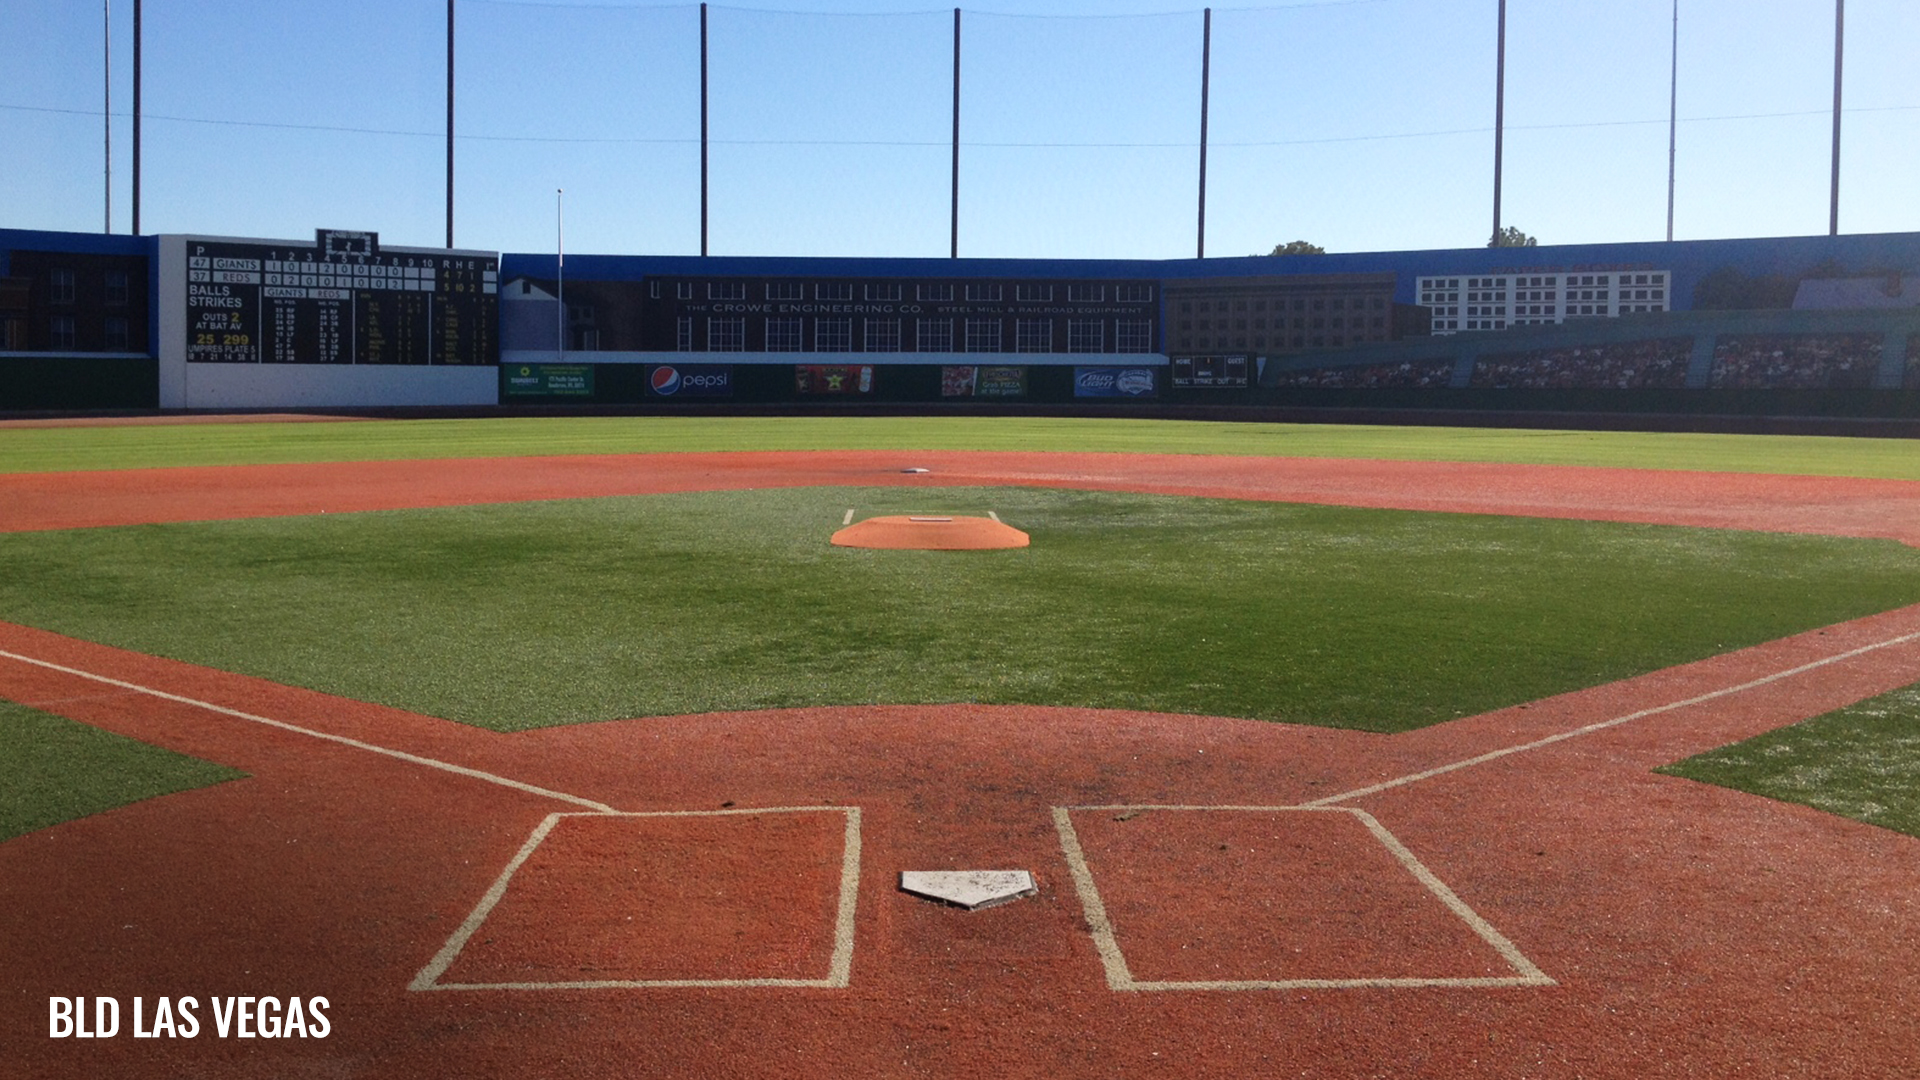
[931, 532]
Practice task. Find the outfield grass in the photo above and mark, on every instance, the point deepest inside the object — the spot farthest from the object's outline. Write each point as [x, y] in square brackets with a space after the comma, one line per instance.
[1861, 762]
[53, 769]
[49, 449]
[531, 614]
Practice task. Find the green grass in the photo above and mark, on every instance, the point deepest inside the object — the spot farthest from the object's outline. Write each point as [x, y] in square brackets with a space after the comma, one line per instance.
[54, 770]
[522, 615]
[1861, 762]
[48, 449]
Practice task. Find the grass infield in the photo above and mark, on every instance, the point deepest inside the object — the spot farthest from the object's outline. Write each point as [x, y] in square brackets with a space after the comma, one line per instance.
[56, 449]
[53, 769]
[1861, 762]
[525, 615]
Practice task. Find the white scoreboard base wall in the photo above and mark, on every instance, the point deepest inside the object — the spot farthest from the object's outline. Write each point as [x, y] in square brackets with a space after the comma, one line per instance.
[294, 386]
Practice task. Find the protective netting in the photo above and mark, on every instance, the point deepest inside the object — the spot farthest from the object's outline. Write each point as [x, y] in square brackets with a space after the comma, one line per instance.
[1352, 124]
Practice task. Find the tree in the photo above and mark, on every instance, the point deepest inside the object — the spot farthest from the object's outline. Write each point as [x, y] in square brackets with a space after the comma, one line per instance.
[1512, 237]
[1298, 247]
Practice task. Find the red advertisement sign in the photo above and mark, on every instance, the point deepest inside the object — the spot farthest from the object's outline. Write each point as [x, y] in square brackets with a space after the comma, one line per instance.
[833, 378]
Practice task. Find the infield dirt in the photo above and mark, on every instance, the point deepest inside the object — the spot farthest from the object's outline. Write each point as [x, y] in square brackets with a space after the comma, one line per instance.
[1686, 930]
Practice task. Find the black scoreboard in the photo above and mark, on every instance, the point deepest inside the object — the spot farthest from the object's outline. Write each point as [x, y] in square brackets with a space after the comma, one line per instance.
[341, 300]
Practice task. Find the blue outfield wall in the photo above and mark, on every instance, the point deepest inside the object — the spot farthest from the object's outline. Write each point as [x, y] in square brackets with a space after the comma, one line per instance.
[1534, 314]
[1822, 325]
[76, 366]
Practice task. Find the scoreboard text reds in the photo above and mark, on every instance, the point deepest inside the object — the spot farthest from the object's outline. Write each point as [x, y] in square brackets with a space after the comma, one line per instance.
[339, 301]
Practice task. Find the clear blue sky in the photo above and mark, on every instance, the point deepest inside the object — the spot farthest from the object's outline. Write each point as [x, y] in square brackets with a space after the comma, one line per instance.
[1360, 125]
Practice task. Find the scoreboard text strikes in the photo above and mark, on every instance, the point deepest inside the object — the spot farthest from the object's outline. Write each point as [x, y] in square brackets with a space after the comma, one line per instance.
[299, 304]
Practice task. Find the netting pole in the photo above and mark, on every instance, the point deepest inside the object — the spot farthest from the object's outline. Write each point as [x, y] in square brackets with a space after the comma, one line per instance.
[1499, 117]
[703, 129]
[953, 244]
[1839, 40]
[450, 123]
[136, 117]
[1206, 72]
[106, 56]
[1673, 116]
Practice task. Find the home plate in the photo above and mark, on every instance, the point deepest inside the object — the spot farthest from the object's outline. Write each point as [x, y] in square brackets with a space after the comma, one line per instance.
[970, 889]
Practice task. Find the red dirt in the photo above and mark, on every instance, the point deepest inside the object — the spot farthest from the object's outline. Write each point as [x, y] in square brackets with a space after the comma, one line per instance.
[907, 532]
[1812, 504]
[641, 896]
[1690, 931]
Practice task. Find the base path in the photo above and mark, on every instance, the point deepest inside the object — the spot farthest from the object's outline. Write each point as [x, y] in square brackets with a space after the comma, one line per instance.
[1515, 894]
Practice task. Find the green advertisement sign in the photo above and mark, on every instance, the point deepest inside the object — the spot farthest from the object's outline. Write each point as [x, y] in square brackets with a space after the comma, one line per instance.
[548, 380]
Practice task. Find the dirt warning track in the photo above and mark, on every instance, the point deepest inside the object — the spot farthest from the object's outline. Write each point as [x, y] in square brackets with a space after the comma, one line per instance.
[713, 896]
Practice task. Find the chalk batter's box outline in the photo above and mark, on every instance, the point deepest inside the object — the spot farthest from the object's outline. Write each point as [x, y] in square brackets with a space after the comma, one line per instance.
[839, 969]
[1119, 977]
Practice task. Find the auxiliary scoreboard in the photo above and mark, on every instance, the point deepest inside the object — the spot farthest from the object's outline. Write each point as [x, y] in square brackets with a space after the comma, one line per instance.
[340, 300]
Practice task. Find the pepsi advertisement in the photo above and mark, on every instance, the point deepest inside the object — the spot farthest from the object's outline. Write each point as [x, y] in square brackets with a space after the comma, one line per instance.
[1121, 382]
[691, 380]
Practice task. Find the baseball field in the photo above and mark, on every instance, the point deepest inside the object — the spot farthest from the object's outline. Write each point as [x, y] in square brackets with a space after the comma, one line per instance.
[572, 747]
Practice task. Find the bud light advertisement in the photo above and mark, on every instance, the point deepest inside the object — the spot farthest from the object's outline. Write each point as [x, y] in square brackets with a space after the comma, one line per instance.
[1122, 382]
[691, 380]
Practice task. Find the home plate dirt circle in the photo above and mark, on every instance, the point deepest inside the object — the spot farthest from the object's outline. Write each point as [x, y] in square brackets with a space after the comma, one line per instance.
[931, 532]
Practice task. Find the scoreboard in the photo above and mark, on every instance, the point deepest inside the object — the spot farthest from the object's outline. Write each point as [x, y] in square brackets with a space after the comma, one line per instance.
[341, 300]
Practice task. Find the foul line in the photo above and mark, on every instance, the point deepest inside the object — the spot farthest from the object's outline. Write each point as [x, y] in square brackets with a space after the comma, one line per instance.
[1495, 755]
[415, 759]
[839, 968]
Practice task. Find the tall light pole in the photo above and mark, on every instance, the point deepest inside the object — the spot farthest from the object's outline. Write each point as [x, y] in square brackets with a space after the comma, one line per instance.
[560, 269]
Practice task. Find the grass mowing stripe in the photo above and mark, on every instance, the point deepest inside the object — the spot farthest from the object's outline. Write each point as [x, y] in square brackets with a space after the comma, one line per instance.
[52, 449]
[1861, 762]
[532, 614]
[53, 769]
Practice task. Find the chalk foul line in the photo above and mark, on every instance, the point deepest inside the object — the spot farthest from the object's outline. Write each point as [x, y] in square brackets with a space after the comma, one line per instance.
[1589, 729]
[401, 755]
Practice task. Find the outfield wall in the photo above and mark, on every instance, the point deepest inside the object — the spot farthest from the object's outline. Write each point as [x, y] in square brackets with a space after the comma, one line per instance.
[1477, 328]
[77, 321]
[1824, 326]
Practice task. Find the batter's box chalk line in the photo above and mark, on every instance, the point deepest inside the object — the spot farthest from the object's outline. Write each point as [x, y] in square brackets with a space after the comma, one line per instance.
[1120, 977]
[839, 968]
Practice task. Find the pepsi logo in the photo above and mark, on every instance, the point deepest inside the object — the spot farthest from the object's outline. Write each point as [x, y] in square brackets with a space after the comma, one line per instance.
[666, 380]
